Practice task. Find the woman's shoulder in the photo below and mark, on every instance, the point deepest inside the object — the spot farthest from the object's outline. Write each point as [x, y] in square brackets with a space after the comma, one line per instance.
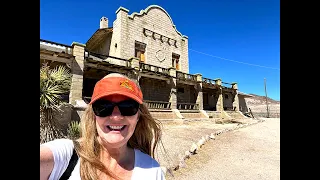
[62, 151]
[146, 167]
[59, 143]
[60, 147]
[144, 160]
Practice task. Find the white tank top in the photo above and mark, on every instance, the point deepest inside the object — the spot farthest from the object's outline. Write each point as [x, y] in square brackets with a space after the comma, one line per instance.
[145, 167]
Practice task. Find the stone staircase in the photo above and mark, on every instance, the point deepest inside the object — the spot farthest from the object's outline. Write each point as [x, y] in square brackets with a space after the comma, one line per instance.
[236, 114]
[213, 114]
[158, 114]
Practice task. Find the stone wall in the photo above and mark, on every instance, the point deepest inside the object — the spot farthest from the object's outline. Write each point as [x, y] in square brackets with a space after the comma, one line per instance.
[188, 96]
[212, 98]
[242, 104]
[227, 102]
[64, 116]
[155, 90]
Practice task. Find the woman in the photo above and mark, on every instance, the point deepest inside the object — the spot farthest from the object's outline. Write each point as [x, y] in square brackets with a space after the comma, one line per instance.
[118, 137]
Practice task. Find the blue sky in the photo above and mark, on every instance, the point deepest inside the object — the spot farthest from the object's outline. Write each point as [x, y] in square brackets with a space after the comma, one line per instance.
[237, 41]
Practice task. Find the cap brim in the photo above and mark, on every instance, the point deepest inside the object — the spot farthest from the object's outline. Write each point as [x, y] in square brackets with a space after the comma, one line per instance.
[127, 94]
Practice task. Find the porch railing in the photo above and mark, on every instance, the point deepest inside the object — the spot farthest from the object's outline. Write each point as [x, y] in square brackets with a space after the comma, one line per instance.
[186, 76]
[157, 69]
[229, 108]
[157, 104]
[188, 106]
[226, 84]
[209, 108]
[57, 47]
[209, 81]
[149, 104]
[107, 58]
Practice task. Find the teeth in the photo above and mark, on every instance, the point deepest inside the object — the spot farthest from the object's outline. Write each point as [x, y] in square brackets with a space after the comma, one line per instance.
[116, 127]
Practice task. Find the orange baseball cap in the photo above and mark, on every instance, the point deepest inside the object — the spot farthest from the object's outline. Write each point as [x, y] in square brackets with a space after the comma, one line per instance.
[116, 85]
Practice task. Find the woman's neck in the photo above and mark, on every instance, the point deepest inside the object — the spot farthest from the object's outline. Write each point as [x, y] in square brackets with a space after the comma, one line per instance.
[115, 157]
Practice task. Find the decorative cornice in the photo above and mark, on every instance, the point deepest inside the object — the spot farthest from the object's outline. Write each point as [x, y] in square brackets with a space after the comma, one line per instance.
[122, 8]
[145, 11]
[162, 38]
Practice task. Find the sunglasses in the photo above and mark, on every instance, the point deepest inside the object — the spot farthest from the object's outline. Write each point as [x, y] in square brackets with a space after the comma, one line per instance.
[104, 108]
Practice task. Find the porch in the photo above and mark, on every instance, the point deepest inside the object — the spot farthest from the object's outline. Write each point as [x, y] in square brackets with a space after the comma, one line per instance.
[168, 93]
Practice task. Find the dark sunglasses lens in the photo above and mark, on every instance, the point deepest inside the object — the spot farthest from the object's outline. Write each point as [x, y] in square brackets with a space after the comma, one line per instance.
[128, 107]
[102, 108]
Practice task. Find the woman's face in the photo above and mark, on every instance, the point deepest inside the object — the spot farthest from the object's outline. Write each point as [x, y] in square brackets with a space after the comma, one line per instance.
[115, 130]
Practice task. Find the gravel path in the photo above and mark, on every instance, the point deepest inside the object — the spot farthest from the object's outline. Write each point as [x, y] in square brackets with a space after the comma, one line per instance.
[248, 153]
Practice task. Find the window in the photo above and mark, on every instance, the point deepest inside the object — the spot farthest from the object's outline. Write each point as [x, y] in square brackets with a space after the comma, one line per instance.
[175, 60]
[140, 49]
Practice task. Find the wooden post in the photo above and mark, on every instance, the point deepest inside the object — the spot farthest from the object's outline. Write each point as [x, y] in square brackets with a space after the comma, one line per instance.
[265, 89]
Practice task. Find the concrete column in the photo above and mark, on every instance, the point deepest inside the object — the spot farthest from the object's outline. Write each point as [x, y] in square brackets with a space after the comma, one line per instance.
[135, 64]
[173, 95]
[219, 105]
[199, 91]
[121, 33]
[77, 72]
[235, 103]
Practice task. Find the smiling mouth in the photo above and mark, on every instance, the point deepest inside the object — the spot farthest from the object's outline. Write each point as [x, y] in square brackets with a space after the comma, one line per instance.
[116, 128]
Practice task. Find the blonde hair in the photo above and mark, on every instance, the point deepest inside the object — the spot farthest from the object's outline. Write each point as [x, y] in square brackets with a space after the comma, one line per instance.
[146, 136]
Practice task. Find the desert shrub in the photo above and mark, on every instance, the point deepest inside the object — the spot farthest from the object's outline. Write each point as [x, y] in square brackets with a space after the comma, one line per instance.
[54, 83]
[73, 131]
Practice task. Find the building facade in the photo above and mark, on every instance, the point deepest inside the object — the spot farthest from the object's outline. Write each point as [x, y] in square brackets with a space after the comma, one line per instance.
[147, 47]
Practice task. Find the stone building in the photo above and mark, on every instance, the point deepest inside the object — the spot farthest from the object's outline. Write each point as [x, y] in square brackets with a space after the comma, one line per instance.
[147, 47]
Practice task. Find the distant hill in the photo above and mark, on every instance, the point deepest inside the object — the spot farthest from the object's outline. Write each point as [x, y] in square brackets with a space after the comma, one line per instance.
[258, 103]
[259, 100]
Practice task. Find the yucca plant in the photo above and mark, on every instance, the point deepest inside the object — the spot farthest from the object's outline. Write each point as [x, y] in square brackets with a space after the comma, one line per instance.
[73, 130]
[53, 83]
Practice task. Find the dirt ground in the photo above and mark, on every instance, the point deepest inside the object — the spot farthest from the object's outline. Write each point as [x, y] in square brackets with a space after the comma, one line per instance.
[178, 138]
[248, 153]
